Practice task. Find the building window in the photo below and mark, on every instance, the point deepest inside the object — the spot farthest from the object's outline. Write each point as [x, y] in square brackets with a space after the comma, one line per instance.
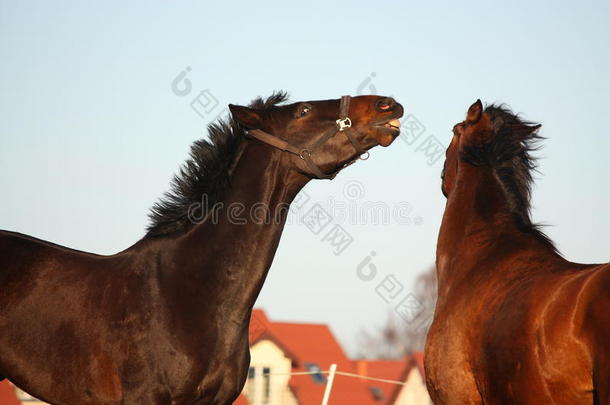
[250, 385]
[377, 394]
[266, 385]
[317, 375]
[258, 386]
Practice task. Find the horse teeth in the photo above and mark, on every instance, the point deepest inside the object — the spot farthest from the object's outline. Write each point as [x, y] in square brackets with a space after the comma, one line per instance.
[395, 123]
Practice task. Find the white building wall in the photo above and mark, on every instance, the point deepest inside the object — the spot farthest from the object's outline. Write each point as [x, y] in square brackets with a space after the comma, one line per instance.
[26, 398]
[414, 392]
[266, 354]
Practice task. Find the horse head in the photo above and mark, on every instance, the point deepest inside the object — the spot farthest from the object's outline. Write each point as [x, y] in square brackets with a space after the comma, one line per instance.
[324, 136]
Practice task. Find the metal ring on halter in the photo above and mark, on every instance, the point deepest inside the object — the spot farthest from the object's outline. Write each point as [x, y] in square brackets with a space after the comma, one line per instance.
[343, 123]
[304, 151]
[364, 156]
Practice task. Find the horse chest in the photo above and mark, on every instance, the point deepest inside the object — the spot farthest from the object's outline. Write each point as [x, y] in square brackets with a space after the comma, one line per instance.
[226, 369]
[449, 365]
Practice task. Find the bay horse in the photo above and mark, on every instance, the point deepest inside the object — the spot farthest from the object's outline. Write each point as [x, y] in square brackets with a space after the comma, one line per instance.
[166, 320]
[515, 322]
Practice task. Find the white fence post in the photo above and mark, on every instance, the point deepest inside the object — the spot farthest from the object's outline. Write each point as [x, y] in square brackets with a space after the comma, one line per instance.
[329, 383]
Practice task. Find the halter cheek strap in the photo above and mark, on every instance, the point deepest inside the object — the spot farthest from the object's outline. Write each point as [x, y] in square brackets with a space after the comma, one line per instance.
[343, 125]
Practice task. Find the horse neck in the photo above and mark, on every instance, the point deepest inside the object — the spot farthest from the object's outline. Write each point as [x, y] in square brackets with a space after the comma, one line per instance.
[225, 259]
[476, 215]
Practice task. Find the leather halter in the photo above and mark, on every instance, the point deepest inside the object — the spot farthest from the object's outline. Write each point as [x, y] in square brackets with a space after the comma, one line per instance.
[343, 125]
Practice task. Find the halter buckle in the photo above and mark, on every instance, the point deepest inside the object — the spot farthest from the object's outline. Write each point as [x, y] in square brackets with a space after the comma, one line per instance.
[364, 156]
[343, 124]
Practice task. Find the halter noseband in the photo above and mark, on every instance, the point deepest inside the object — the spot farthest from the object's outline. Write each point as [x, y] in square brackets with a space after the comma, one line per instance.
[343, 125]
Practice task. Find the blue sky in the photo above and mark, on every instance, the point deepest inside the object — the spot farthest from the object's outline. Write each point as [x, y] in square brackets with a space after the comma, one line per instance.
[91, 132]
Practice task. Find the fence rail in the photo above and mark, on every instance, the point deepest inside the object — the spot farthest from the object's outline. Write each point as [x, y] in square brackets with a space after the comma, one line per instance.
[343, 373]
[332, 372]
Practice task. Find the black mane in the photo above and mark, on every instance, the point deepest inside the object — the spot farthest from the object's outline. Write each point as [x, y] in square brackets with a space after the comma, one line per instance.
[205, 173]
[509, 153]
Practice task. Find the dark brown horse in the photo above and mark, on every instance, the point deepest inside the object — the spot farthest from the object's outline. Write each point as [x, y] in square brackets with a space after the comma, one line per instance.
[515, 323]
[166, 321]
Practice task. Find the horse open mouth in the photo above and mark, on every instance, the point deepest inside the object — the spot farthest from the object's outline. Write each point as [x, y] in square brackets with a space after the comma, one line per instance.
[393, 126]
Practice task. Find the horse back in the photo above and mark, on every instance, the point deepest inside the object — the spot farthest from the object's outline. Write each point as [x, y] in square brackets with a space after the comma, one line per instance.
[49, 300]
[25, 262]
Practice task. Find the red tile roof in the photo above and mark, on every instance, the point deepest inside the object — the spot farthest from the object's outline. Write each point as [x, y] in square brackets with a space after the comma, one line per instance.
[396, 370]
[388, 369]
[259, 323]
[7, 394]
[418, 359]
[241, 400]
[312, 344]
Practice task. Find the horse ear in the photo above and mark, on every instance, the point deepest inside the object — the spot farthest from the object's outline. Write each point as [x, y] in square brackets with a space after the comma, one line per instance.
[246, 116]
[474, 112]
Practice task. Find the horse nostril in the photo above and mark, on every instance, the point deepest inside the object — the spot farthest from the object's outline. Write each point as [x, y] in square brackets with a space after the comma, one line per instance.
[385, 103]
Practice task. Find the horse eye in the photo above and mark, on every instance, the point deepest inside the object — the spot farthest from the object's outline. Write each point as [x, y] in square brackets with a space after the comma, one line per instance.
[305, 110]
